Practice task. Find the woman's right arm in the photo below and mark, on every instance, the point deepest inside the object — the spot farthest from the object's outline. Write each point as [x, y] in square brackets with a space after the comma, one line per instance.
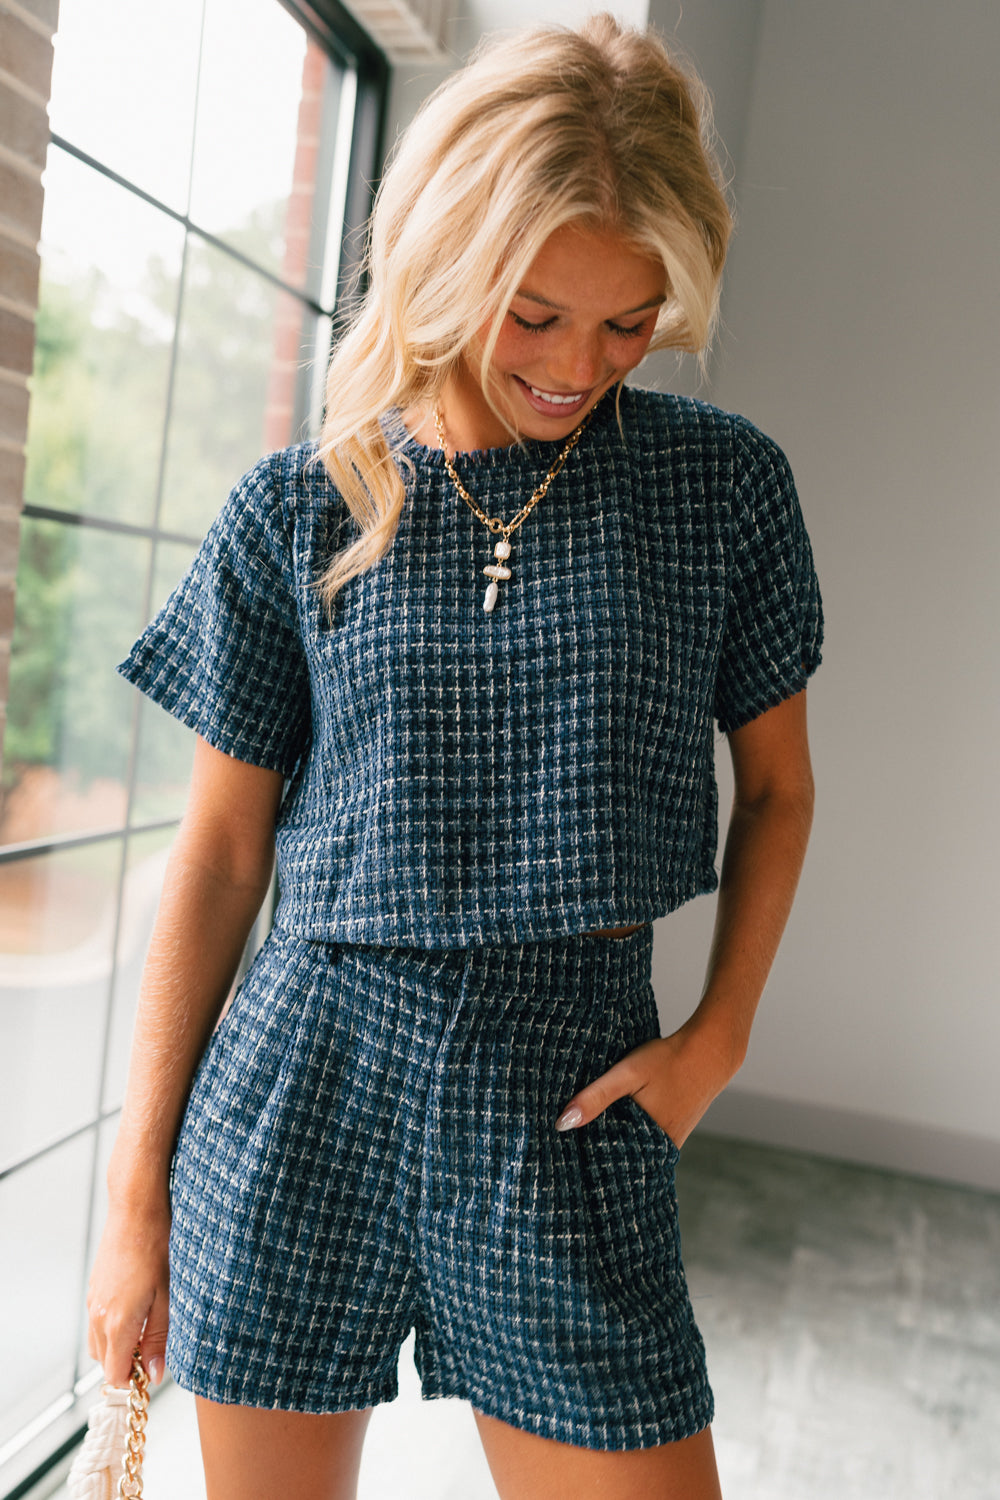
[218, 874]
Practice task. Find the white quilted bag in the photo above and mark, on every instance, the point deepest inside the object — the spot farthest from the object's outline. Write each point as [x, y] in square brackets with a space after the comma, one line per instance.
[109, 1462]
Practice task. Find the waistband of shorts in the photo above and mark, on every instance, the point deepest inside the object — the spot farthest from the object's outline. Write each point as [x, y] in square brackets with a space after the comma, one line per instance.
[617, 960]
[604, 960]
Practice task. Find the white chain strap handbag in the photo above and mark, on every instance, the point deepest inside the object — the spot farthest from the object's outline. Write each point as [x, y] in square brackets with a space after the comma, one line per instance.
[109, 1463]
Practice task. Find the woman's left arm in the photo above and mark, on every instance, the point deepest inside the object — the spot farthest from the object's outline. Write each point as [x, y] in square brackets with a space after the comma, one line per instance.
[675, 1078]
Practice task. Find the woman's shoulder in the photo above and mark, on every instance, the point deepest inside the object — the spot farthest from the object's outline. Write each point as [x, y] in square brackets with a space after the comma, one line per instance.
[285, 486]
[295, 473]
[685, 428]
[665, 413]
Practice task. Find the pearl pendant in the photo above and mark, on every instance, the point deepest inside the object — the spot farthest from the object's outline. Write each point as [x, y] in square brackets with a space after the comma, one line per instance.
[494, 571]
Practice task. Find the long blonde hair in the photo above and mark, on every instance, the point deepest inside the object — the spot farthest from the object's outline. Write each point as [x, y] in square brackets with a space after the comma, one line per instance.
[597, 127]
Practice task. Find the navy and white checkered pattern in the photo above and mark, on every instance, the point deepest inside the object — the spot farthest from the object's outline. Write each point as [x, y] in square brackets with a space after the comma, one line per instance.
[370, 1146]
[460, 778]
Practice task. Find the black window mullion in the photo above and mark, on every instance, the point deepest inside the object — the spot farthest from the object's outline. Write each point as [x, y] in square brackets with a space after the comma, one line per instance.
[58, 842]
[105, 523]
[189, 224]
[343, 37]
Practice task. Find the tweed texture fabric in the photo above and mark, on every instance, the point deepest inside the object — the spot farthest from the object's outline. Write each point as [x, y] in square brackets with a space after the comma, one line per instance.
[369, 1146]
[459, 778]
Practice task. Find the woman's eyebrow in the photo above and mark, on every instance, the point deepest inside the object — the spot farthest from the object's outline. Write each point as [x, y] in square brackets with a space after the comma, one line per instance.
[557, 307]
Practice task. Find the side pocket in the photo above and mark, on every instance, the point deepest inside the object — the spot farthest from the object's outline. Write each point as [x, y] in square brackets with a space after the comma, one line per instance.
[627, 1164]
[657, 1131]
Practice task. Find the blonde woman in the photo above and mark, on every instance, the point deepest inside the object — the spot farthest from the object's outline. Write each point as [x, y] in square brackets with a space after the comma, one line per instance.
[460, 664]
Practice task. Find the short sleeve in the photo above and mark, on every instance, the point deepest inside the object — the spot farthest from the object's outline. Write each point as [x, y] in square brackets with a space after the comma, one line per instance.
[774, 614]
[225, 653]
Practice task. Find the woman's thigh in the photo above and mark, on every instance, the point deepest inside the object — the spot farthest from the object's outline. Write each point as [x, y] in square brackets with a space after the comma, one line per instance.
[527, 1467]
[254, 1454]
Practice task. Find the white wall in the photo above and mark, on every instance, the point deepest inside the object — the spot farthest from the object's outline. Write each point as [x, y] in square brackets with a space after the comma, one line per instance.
[862, 324]
[479, 16]
[860, 329]
[473, 19]
[719, 38]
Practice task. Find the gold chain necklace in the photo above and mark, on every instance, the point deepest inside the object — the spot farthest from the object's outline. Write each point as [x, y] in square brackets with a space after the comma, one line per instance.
[500, 569]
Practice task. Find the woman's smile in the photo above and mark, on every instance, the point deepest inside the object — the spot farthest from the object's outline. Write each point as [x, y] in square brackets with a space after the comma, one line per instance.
[553, 403]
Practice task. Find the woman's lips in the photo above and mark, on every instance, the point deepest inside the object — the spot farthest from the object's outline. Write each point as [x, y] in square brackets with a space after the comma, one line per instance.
[559, 409]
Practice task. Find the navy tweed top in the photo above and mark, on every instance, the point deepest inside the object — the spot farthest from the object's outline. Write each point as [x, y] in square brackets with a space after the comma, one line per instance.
[458, 777]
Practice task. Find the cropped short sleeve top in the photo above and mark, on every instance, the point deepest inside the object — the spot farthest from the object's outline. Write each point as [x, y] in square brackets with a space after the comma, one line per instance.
[457, 777]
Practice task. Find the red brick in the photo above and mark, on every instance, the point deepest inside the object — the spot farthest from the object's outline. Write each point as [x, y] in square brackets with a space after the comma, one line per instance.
[18, 272]
[12, 464]
[45, 11]
[17, 340]
[13, 410]
[313, 67]
[10, 537]
[278, 428]
[24, 127]
[286, 344]
[20, 202]
[306, 157]
[298, 214]
[24, 54]
[6, 610]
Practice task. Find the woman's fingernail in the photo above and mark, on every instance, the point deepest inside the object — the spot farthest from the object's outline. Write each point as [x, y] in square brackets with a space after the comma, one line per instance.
[570, 1118]
[156, 1370]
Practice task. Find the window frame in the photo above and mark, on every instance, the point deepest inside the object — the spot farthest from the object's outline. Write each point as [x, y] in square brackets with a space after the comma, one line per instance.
[44, 1443]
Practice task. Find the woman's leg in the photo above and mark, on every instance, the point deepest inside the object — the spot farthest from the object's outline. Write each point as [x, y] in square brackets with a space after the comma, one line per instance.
[527, 1467]
[253, 1454]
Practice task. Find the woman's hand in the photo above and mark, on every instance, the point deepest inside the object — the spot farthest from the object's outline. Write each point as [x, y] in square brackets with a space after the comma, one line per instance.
[674, 1078]
[128, 1292]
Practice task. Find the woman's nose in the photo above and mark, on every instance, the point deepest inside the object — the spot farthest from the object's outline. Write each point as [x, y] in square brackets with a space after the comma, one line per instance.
[579, 364]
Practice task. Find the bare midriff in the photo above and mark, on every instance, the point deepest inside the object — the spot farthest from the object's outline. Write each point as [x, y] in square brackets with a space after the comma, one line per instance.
[615, 931]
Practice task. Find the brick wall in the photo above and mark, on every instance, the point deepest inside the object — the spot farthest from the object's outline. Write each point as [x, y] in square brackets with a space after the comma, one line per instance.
[26, 31]
[280, 411]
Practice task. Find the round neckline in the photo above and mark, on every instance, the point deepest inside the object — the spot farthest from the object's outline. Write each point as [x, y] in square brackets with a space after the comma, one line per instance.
[532, 450]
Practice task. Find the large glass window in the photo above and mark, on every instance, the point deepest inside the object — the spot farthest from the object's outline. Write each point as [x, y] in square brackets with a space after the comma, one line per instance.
[204, 171]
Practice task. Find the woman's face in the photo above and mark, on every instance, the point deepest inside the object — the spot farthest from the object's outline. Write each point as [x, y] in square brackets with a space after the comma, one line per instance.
[582, 319]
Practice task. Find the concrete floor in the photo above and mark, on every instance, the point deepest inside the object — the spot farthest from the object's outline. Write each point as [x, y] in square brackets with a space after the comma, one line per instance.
[852, 1320]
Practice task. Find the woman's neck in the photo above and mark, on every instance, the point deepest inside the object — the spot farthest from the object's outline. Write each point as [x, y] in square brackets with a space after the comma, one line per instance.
[470, 424]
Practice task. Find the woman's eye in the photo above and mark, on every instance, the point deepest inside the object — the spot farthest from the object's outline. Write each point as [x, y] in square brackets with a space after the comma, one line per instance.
[531, 327]
[619, 329]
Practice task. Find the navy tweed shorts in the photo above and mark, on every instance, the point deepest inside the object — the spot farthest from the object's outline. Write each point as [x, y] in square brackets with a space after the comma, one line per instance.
[369, 1147]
